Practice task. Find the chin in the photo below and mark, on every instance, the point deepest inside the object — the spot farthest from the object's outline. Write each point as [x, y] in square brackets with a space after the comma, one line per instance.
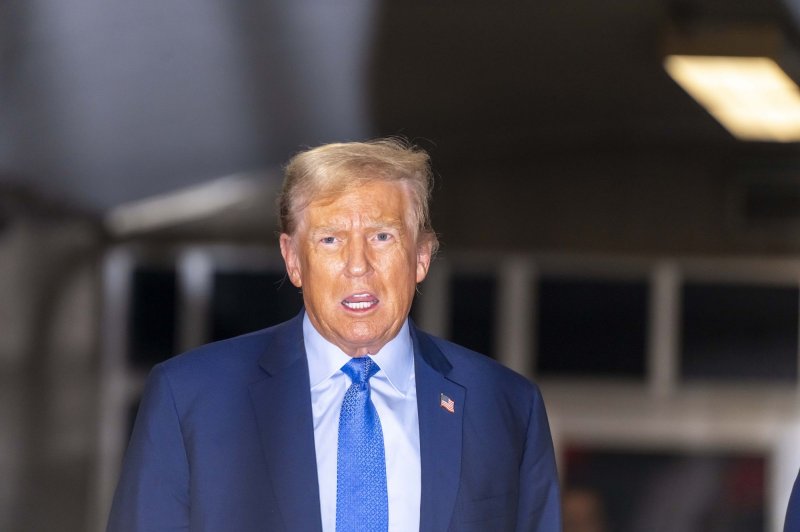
[361, 340]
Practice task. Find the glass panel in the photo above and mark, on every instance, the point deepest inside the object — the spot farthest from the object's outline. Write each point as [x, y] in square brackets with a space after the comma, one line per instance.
[733, 331]
[243, 302]
[152, 319]
[592, 327]
[472, 311]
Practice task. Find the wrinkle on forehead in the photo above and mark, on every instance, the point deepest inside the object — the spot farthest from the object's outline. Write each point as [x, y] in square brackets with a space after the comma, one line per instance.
[361, 222]
[360, 213]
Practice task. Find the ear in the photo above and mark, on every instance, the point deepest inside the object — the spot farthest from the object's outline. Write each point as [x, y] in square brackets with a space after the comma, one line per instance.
[290, 258]
[424, 256]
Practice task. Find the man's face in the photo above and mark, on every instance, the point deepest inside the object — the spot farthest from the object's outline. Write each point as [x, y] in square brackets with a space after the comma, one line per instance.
[358, 261]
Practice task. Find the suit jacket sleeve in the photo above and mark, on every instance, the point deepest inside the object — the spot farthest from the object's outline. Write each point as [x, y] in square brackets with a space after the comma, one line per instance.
[539, 507]
[153, 491]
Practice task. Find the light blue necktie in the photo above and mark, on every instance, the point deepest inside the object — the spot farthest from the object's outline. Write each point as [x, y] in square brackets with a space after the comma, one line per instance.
[362, 503]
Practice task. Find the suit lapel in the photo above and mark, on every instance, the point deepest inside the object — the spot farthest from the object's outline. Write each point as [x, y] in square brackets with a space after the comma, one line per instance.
[440, 434]
[282, 403]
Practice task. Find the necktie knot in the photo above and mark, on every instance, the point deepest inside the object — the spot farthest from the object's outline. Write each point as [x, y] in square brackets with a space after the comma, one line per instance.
[360, 370]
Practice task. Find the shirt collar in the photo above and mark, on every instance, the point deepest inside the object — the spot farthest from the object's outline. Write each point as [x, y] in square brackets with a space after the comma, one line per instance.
[396, 358]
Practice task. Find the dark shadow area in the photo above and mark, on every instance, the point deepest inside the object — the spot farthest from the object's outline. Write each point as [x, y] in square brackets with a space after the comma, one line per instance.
[244, 302]
[639, 491]
[591, 327]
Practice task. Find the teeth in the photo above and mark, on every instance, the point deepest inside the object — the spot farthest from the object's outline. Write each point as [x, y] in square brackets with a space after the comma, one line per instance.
[361, 305]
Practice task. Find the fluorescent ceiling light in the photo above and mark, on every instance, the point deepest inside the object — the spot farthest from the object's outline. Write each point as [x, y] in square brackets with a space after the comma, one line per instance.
[186, 205]
[752, 97]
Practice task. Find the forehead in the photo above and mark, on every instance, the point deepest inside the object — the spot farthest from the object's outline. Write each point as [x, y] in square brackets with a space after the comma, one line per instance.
[373, 202]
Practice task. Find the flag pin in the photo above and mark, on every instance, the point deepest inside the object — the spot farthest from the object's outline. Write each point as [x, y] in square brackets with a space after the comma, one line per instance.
[447, 403]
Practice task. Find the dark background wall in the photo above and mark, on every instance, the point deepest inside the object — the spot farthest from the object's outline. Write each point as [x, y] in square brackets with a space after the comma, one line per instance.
[646, 201]
[553, 115]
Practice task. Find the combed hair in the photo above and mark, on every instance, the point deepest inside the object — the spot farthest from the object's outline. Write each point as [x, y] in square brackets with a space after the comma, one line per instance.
[329, 170]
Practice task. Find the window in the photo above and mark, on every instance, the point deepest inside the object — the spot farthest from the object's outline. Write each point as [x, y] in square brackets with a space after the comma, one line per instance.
[472, 311]
[243, 302]
[739, 331]
[153, 316]
[592, 326]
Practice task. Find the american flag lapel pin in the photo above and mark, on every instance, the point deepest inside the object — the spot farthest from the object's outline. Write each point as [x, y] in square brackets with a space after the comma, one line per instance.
[447, 403]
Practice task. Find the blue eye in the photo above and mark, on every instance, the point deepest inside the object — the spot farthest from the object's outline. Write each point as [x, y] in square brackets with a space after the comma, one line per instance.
[383, 237]
[328, 240]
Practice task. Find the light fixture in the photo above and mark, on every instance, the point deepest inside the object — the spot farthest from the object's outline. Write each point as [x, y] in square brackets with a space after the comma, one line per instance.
[737, 76]
[183, 206]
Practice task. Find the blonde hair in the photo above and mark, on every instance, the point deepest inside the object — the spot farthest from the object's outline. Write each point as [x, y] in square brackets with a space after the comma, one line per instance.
[332, 169]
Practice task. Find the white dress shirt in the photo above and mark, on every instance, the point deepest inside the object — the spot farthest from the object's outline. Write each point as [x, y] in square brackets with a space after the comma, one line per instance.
[394, 394]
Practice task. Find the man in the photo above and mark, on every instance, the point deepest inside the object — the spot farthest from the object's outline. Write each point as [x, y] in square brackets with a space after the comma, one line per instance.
[347, 417]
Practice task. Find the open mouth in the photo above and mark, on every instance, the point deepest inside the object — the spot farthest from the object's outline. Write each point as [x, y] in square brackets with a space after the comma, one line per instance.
[360, 302]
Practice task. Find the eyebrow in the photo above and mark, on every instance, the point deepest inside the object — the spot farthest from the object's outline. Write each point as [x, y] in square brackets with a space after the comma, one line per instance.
[380, 224]
[373, 224]
[323, 229]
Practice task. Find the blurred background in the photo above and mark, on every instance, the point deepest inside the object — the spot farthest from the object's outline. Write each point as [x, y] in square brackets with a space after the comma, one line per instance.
[611, 229]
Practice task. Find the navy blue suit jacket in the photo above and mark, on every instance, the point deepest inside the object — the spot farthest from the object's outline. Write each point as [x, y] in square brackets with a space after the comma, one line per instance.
[224, 442]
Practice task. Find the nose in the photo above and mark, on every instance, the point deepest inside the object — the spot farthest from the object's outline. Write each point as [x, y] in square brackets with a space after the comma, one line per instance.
[358, 262]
